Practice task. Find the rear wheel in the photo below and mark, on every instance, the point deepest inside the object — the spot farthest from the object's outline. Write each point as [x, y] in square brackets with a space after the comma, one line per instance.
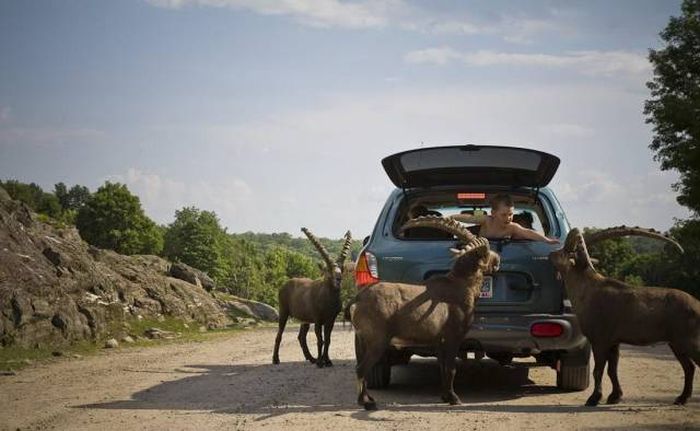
[400, 357]
[575, 371]
[380, 374]
[501, 357]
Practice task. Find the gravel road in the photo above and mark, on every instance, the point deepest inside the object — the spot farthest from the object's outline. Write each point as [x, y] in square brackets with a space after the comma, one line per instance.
[228, 382]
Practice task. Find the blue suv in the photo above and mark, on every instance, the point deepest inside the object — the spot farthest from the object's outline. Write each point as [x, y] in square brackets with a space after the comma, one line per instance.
[523, 310]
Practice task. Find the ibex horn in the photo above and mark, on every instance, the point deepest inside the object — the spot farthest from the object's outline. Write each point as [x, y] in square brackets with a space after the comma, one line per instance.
[445, 224]
[581, 249]
[344, 251]
[324, 254]
[619, 231]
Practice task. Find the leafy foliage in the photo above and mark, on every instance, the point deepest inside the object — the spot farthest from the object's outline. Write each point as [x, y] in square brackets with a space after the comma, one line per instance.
[34, 196]
[72, 199]
[674, 107]
[299, 244]
[113, 218]
[663, 267]
[197, 239]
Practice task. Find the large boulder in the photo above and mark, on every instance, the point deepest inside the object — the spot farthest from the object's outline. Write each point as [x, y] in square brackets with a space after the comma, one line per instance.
[55, 289]
[191, 275]
[254, 309]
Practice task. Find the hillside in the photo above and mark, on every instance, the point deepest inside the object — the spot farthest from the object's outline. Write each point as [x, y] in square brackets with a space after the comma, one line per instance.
[55, 289]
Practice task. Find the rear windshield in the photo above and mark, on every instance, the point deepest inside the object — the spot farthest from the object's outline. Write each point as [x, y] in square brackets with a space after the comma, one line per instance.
[456, 157]
[528, 212]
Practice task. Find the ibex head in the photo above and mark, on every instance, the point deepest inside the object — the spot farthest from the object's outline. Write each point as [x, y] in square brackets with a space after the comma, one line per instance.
[565, 258]
[332, 270]
[472, 246]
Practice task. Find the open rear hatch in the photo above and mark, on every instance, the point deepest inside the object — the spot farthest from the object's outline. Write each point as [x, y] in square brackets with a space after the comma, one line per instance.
[471, 165]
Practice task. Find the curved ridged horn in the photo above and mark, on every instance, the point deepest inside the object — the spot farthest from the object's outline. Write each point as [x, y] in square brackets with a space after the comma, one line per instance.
[618, 231]
[322, 250]
[445, 224]
[344, 251]
[583, 257]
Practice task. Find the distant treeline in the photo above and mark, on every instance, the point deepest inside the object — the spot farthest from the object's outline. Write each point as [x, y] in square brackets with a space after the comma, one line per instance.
[254, 265]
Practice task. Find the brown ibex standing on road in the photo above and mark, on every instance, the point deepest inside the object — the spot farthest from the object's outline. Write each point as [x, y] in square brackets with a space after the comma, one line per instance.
[611, 312]
[313, 301]
[438, 313]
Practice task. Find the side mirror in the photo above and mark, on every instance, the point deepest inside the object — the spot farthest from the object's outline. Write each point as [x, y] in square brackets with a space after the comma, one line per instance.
[365, 241]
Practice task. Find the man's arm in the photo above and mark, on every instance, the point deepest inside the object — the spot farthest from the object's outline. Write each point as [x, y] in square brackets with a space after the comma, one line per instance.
[519, 232]
[469, 218]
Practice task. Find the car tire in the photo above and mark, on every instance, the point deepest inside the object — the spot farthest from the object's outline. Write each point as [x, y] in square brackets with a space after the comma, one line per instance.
[380, 374]
[400, 357]
[502, 358]
[575, 370]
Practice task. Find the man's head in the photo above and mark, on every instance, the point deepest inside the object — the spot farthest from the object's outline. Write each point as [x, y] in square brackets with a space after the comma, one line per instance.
[502, 208]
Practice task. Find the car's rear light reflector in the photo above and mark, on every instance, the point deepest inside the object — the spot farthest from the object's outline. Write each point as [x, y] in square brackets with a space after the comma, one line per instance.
[366, 271]
[471, 195]
[546, 329]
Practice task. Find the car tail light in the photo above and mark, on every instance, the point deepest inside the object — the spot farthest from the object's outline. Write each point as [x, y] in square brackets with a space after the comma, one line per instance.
[475, 196]
[366, 270]
[546, 329]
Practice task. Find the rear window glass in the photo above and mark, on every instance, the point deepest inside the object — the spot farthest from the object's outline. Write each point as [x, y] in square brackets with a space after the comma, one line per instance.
[528, 213]
[456, 157]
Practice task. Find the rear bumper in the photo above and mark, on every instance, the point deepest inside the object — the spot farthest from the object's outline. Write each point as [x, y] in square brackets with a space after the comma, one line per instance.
[494, 333]
[511, 334]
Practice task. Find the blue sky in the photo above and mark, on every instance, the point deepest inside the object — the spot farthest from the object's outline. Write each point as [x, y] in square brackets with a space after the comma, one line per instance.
[276, 114]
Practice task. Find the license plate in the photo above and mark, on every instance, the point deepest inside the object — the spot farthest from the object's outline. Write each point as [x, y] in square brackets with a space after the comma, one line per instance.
[487, 288]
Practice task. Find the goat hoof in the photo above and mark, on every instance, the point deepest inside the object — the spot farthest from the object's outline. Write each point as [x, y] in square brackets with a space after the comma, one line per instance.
[614, 398]
[452, 399]
[275, 361]
[593, 400]
[320, 364]
[680, 401]
[329, 363]
[370, 405]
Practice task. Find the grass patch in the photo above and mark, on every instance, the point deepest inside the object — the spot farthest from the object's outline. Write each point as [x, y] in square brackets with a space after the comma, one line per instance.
[14, 358]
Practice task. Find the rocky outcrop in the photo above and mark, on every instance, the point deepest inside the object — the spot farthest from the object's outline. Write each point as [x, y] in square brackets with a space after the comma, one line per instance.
[254, 309]
[192, 275]
[56, 289]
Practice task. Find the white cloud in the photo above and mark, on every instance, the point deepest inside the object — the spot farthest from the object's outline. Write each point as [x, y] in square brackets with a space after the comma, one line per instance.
[362, 14]
[593, 63]
[602, 199]
[329, 157]
[439, 56]
[161, 196]
[315, 13]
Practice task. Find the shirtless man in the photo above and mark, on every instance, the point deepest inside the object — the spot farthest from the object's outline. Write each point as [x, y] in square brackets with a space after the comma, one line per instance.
[500, 223]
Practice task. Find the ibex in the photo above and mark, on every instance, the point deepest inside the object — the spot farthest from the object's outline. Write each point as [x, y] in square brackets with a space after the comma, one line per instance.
[612, 312]
[437, 313]
[313, 301]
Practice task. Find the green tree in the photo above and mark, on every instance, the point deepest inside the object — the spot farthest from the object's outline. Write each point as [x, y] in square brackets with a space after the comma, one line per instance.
[612, 255]
[61, 192]
[674, 107]
[113, 218]
[34, 196]
[197, 239]
[72, 199]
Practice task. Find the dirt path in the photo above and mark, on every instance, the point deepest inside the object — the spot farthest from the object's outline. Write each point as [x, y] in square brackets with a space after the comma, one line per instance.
[229, 383]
